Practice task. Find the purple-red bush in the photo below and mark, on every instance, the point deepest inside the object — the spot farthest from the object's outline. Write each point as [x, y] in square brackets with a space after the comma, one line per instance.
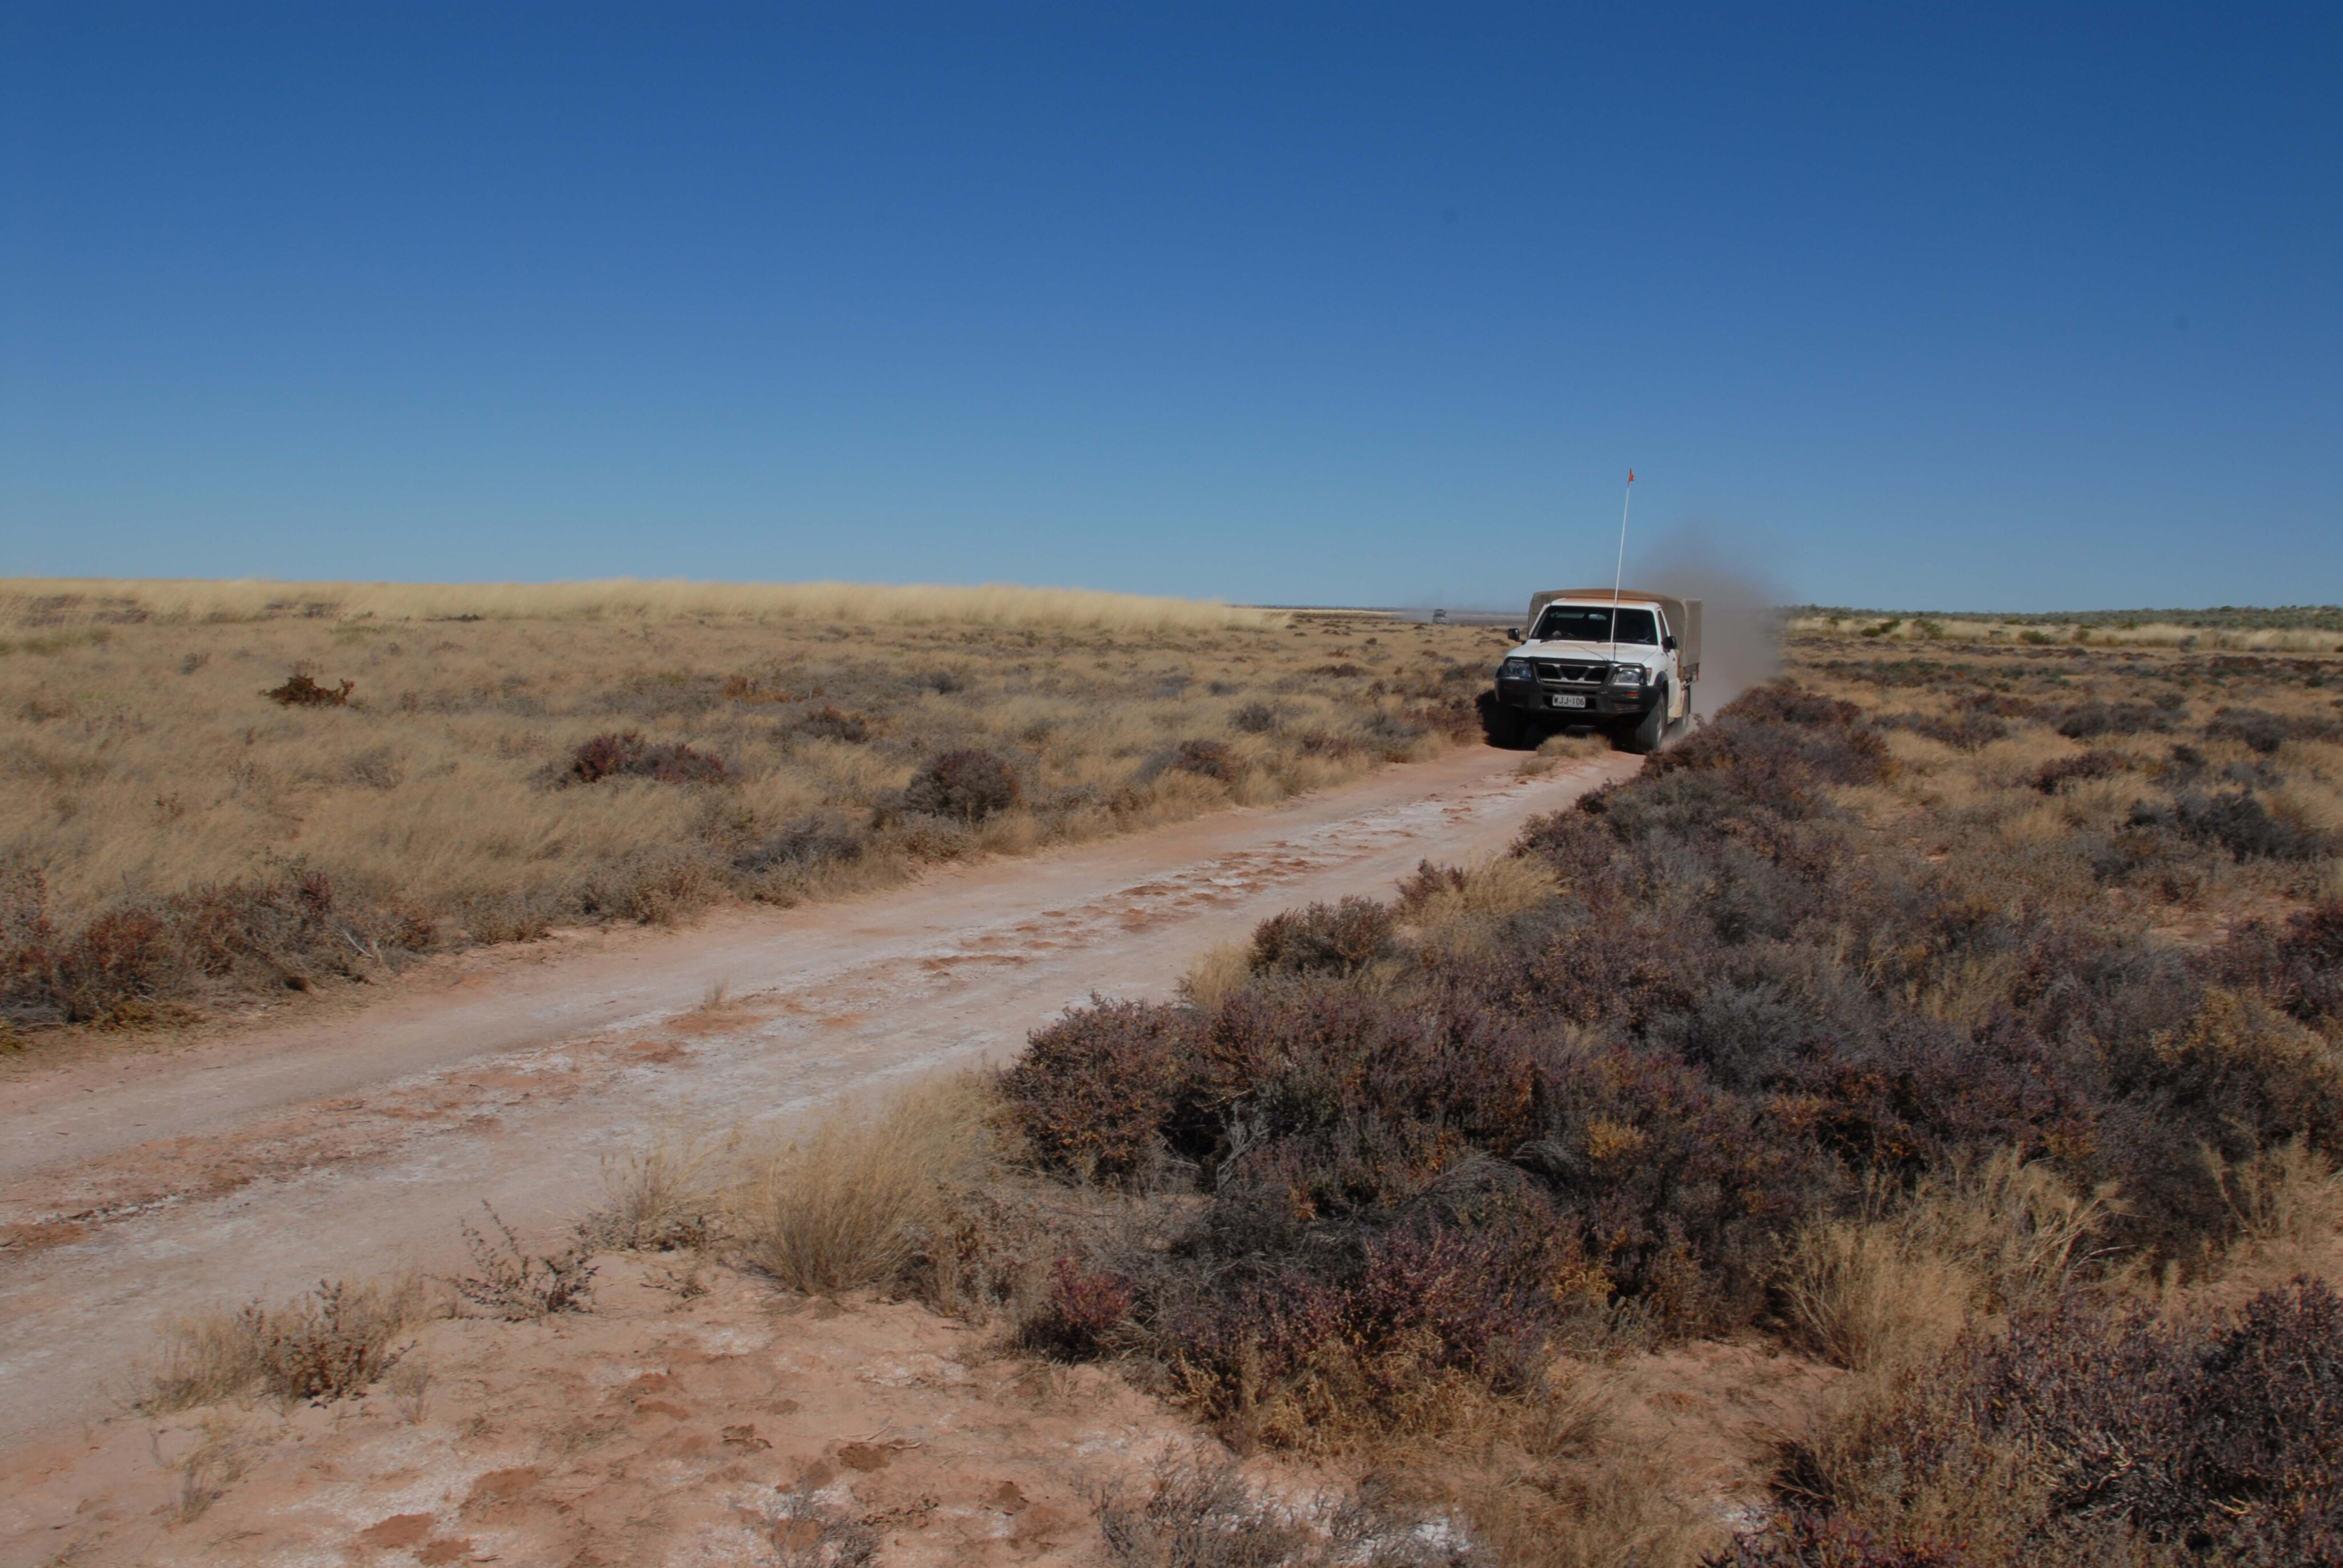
[1083, 1315]
[2299, 967]
[1206, 759]
[1095, 1091]
[827, 723]
[301, 691]
[627, 754]
[287, 932]
[1324, 939]
[2059, 770]
[969, 784]
[2094, 718]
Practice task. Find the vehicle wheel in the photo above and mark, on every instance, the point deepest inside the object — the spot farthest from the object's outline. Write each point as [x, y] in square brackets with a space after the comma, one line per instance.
[1505, 727]
[1641, 738]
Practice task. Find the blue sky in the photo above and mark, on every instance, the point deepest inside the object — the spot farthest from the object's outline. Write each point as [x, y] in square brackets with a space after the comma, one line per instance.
[1911, 305]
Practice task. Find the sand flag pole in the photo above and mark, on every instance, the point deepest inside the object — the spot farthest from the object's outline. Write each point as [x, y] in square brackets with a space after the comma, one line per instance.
[1619, 570]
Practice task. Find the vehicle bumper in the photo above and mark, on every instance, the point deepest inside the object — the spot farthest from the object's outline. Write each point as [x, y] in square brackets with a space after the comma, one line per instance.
[1602, 702]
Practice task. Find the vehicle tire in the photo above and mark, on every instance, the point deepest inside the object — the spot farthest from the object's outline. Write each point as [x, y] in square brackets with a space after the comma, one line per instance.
[1641, 738]
[1504, 727]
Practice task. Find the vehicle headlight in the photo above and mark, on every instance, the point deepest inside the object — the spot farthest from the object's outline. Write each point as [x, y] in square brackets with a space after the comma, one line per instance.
[1626, 675]
[1513, 669]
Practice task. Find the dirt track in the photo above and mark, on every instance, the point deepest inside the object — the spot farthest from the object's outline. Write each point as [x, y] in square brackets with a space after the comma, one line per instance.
[142, 1185]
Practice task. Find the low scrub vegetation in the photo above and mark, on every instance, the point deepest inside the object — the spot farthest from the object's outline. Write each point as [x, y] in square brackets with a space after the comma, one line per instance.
[460, 766]
[1871, 1039]
[626, 754]
[506, 1281]
[333, 1342]
[2078, 1431]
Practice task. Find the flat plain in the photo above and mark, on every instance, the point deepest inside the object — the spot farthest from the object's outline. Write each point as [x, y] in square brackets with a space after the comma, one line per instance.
[431, 777]
[1849, 1136]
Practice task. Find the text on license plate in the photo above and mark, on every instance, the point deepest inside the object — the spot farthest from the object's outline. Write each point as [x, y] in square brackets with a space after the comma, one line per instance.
[1570, 702]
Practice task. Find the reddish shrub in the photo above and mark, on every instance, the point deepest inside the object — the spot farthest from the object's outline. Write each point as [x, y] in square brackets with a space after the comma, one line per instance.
[1084, 1313]
[1427, 883]
[1095, 1091]
[2058, 771]
[1206, 759]
[2096, 718]
[301, 691]
[1259, 1324]
[122, 956]
[1254, 718]
[627, 754]
[1773, 743]
[2299, 967]
[287, 932]
[969, 784]
[836, 724]
[1324, 939]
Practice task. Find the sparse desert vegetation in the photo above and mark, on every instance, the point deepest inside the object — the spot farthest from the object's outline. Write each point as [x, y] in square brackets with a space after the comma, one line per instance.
[1965, 1022]
[1937, 1054]
[223, 791]
[2297, 629]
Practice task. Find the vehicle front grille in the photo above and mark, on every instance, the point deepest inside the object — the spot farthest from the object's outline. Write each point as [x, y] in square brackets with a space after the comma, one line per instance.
[1570, 673]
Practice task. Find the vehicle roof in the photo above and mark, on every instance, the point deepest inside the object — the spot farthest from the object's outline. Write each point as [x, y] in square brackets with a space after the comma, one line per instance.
[1670, 604]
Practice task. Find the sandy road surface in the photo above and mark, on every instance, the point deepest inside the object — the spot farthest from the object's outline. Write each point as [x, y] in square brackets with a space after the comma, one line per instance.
[135, 1188]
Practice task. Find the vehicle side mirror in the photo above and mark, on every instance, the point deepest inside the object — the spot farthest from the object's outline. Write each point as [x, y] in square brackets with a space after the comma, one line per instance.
[1669, 643]
[1513, 633]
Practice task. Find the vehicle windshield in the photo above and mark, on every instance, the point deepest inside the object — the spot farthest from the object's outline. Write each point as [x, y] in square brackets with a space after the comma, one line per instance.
[1591, 623]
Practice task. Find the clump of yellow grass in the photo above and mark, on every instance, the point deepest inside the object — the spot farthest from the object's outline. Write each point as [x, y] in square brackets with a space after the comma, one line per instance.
[69, 601]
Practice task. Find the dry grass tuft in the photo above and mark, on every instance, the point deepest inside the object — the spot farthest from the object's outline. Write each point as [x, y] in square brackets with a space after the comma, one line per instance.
[217, 1461]
[1878, 1293]
[1619, 1506]
[851, 1204]
[321, 1347]
[1218, 974]
[2288, 1202]
[1868, 1293]
[665, 1197]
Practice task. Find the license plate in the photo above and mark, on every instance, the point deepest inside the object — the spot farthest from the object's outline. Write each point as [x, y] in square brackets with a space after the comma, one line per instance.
[1570, 702]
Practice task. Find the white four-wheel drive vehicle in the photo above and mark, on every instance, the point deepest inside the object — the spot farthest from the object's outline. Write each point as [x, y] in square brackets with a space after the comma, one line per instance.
[1623, 661]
